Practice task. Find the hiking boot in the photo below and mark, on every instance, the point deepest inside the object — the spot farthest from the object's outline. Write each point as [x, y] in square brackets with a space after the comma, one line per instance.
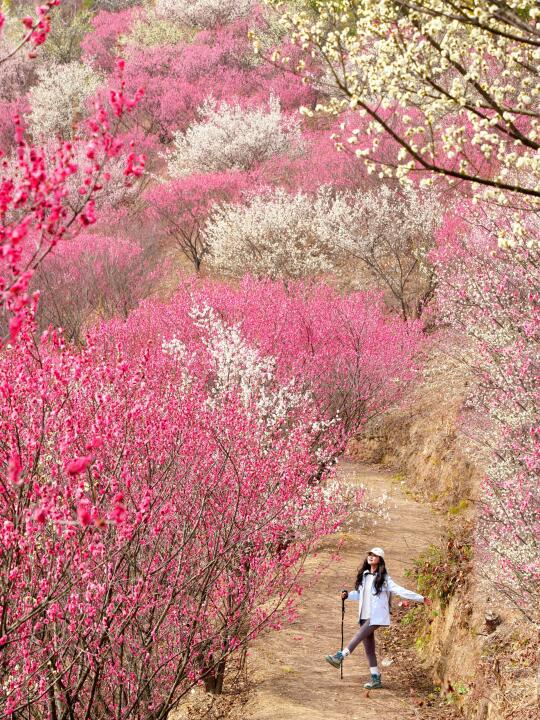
[335, 660]
[374, 684]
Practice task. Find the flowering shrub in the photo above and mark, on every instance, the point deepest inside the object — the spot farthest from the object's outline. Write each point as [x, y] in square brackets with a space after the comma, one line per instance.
[15, 72]
[101, 46]
[203, 13]
[363, 226]
[230, 138]
[180, 208]
[133, 575]
[489, 291]
[93, 276]
[59, 99]
[344, 351]
[317, 165]
[274, 235]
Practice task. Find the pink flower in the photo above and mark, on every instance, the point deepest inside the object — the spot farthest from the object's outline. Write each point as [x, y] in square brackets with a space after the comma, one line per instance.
[14, 468]
[15, 325]
[83, 514]
[40, 515]
[78, 465]
[118, 514]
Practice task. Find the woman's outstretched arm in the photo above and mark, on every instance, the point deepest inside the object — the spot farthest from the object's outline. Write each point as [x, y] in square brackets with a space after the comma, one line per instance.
[393, 587]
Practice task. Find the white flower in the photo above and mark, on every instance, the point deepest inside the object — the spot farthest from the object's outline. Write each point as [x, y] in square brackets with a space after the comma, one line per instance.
[274, 234]
[230, 137]
[203, 13]
[59, 98]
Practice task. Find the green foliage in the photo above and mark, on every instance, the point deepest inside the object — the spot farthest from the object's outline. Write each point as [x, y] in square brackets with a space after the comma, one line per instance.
[412, 616]
[461, 506]
[455, 695]
[69, 25]
[440, 571]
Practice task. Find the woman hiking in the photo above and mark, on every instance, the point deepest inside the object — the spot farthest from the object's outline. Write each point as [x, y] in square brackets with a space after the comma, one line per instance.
[372, 589]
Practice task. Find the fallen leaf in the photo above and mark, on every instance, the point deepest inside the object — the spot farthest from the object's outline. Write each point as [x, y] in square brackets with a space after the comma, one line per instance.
[287, 669]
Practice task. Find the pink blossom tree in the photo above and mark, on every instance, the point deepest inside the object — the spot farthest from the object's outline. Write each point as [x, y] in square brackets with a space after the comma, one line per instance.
[346, 351]
[179, 209]
[102, 45]
[93, 276]
[130, 574]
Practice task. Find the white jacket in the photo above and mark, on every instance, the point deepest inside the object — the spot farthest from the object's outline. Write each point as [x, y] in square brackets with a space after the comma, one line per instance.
[380, 604]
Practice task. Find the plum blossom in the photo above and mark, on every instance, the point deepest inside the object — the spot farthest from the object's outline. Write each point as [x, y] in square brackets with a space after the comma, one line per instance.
[229, 137]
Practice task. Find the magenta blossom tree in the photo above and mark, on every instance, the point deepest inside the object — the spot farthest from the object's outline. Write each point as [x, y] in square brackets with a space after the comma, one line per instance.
[156, 511]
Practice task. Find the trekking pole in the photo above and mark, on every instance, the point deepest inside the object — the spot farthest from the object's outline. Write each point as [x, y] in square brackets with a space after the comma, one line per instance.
[342, 641]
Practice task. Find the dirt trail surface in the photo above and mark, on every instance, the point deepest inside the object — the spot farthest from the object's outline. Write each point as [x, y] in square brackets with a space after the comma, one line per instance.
[290, 678]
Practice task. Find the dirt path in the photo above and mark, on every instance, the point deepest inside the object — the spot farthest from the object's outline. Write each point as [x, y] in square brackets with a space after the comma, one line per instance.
[292, 680]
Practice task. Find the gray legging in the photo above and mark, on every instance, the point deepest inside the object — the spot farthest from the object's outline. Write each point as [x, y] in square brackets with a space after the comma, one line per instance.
[366, 634]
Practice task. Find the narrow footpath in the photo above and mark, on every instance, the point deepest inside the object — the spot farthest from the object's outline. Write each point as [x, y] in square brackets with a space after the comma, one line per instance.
[291, 680]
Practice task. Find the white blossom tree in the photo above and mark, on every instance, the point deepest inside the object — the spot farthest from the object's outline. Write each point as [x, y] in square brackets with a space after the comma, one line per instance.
[58, 99]
[203, 13]
[274, 234]
[452, 86]
[390, 232]
[229, 137]
[381, 237]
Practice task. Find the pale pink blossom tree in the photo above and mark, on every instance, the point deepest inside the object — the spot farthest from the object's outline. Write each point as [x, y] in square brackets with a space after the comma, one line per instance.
[179, 209]
[489, 291]
[93, 276]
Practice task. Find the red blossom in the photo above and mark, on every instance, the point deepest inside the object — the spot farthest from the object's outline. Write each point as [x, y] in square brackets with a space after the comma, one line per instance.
[83, 514]
[78, 465]
[14, 468]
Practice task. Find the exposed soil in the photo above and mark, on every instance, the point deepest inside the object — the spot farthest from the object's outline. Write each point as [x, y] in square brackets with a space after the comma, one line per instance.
[290, 679]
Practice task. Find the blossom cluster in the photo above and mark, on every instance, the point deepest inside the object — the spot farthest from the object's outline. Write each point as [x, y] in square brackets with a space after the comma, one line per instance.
[490, 294]
[278, 234]
[58, 99]
[453, 89]
[273, 234]
[239, 139]
[128, 562]
[203, 13]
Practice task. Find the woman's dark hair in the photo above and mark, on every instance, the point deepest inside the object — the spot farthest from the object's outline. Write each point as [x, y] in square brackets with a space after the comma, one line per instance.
[380, 576]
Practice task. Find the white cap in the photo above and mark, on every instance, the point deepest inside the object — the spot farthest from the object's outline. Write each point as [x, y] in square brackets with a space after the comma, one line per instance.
[377, 551]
